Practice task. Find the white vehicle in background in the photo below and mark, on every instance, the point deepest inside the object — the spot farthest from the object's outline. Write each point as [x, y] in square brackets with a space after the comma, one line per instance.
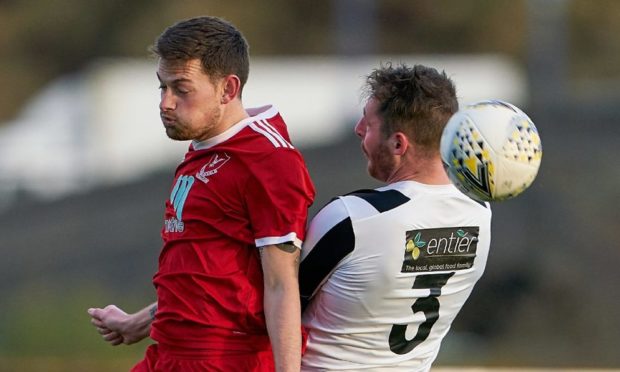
[101, 125]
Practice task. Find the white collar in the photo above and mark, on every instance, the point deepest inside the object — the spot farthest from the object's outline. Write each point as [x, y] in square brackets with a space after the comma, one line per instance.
[256, 113]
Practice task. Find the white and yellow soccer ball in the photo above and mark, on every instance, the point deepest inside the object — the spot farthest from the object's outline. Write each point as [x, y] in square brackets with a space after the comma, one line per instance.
[491, 150]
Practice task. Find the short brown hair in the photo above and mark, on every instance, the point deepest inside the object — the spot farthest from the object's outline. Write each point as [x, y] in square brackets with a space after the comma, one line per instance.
[219, 46]
[417, 101]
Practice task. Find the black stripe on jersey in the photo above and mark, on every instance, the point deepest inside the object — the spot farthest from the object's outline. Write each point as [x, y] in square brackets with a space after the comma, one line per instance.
[335, 245]
[382, 200]
[481, 203]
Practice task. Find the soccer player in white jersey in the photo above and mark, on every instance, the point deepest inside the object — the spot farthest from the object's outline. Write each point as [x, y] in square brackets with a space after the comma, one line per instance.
[384, 272]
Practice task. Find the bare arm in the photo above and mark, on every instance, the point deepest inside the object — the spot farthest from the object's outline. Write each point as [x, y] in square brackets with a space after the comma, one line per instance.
[117, 327]
[282, 310]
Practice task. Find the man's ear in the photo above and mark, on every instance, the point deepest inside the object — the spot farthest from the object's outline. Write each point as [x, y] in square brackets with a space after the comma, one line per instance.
[399, 143]
[231, 88]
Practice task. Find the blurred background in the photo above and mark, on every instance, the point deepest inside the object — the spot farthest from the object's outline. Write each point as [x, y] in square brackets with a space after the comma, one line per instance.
[85, 165]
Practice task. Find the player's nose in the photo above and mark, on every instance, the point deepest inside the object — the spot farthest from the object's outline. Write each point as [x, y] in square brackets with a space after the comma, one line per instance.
[360, 128]
[166, 101]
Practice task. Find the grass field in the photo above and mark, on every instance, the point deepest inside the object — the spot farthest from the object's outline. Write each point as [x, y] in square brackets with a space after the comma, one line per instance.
[42, 331]
[50, 364]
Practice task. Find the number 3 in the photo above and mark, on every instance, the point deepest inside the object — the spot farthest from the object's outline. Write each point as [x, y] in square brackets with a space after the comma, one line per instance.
[428, 305]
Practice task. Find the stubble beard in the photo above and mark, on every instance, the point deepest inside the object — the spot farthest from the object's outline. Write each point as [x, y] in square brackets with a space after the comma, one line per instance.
[182, 130]
[174, 134]
[380, 163]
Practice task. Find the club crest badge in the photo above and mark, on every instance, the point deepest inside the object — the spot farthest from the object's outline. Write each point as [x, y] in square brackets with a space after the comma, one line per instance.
[212, 166]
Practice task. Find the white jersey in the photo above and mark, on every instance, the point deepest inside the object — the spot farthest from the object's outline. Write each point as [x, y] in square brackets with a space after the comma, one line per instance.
[384, 273]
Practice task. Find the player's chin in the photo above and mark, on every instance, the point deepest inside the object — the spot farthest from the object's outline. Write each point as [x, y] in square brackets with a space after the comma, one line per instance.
[378, 172]
[363, 150]
[372, 171]
[174, 134]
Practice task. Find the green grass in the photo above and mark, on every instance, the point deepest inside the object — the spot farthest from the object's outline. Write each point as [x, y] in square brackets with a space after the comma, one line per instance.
[48, 329]
[65, 364]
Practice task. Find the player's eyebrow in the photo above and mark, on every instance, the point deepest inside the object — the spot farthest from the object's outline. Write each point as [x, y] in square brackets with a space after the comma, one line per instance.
[175, 81]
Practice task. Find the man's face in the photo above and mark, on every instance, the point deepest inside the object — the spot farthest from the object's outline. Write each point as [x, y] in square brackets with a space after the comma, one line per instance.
[381, 163]
[190, 107]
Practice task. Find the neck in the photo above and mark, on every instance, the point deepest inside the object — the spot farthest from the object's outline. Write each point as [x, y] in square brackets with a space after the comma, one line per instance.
[232, 114]
[427, 170]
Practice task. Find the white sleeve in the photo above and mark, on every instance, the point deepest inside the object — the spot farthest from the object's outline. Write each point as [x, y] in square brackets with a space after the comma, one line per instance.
[329, 239]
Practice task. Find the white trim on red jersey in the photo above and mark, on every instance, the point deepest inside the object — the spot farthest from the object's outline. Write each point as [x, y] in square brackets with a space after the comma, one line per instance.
[264, 128]
[257, 114]
[271, 240]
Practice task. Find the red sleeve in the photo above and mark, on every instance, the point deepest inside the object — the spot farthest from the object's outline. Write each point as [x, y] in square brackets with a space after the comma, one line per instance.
[278, 196]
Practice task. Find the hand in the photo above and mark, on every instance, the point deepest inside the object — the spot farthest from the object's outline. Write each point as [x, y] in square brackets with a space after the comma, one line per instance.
[117, 327]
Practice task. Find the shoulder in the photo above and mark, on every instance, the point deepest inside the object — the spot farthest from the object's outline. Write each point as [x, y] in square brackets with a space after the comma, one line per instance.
[267, 150]
[329, 231]
[481, 207]
[381, 200]
[331, 214]
[370, 202]
[342, 210]
[264, 146]
[267, 127]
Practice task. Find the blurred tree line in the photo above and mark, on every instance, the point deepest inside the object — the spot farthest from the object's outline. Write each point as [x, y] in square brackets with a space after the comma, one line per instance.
[41, 40]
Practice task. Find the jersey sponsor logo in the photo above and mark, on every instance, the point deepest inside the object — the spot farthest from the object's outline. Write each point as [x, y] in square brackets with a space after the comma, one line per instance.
[178, 196]
[452, 248]
[211, 168]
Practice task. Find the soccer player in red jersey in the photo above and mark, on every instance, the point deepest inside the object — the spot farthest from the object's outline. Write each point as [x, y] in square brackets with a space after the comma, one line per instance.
[227, 288]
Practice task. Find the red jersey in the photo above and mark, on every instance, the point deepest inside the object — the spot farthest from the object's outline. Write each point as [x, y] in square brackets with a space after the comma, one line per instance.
[245, 188]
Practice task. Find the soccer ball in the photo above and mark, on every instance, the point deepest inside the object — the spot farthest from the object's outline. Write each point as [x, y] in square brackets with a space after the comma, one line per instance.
[491, 150]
